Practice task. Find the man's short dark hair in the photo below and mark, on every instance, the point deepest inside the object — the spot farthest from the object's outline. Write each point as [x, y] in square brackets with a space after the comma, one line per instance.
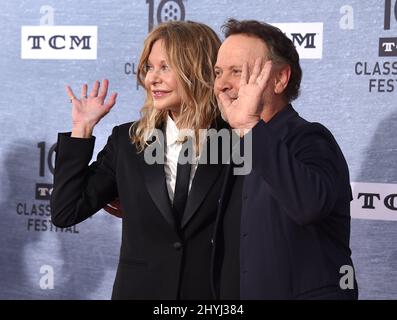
[281, 48]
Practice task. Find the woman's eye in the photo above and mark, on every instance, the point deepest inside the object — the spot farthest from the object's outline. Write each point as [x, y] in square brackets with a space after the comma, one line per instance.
[236, 72]
[148, 68]
[164, 68]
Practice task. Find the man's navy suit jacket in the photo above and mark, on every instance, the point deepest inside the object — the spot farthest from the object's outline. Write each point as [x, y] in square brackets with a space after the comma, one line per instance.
[295, 217]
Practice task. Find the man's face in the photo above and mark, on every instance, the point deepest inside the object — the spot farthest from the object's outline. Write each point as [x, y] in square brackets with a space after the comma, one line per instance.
[234, 51]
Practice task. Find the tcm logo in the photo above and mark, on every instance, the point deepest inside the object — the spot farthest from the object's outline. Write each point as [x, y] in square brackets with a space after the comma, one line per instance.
[374, 201]
[388, 46]
[307, 38]
[59, 42]
[165, 10]
[43, 191]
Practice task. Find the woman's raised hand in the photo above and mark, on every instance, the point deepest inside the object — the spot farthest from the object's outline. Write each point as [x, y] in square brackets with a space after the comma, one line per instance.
[89, 110]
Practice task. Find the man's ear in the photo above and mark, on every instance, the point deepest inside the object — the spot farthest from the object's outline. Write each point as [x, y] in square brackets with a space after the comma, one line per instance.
[281, 79]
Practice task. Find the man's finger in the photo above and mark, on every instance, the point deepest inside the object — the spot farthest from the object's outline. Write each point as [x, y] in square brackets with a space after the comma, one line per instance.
[255, 71]
[225, 101]
[244, 74]
[264, 77]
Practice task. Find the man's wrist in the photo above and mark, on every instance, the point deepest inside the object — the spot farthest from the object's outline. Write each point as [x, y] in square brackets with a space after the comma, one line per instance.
[242, 130]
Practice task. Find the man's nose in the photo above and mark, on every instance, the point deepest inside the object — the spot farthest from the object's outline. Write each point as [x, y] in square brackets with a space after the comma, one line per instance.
[223, 84]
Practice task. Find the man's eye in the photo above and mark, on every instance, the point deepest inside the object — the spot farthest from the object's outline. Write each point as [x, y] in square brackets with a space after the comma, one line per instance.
[236, 72]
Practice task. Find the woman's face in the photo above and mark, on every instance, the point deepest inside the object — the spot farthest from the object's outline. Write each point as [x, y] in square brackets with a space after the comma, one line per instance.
[161, 81]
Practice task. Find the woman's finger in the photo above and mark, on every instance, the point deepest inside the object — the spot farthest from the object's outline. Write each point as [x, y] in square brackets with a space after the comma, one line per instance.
[95, 89]
[111, 101]
[104, 89]
[84, 90]
[114, 208]
[117, 212]
[70, 93]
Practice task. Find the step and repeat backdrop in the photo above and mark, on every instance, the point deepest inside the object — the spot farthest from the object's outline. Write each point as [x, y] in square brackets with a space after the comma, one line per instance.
[348, 51]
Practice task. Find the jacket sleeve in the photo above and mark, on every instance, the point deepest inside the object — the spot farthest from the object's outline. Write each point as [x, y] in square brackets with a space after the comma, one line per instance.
[80, 189]
[302, 171]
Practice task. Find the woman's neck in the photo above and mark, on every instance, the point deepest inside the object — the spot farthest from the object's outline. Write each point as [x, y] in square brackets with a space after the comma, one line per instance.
[174, 116]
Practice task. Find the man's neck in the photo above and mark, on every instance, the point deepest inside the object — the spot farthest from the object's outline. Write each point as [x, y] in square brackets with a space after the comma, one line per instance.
[272, 108]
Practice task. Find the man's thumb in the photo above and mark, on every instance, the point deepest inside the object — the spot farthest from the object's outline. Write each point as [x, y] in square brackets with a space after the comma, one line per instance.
[224, 100]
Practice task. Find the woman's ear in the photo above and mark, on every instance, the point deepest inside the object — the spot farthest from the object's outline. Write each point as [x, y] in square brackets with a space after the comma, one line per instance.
[281, 79]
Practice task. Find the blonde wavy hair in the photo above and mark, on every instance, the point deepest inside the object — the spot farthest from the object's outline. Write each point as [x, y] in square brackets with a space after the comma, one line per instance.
[192, 49]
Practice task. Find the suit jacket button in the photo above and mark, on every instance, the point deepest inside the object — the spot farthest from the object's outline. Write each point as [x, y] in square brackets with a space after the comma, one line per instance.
[177, 245]
[212, 241]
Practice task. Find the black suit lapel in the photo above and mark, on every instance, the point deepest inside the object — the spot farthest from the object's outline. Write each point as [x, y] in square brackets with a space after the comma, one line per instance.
[204, 178]
[154, 178]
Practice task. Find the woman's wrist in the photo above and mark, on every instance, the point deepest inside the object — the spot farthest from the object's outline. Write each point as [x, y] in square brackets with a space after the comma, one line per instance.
[82, 131]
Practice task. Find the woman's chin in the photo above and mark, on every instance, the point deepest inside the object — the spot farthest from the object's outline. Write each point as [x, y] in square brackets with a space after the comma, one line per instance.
[162, 107]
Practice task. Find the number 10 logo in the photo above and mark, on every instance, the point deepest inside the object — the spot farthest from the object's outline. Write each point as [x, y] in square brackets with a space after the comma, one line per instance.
[388, 13]
[167, 10]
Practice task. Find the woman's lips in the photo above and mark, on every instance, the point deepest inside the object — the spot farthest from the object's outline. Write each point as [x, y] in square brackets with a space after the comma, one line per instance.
[160, 93]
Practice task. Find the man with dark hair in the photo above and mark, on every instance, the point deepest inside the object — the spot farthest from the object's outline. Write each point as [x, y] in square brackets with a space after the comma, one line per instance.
[283, 229]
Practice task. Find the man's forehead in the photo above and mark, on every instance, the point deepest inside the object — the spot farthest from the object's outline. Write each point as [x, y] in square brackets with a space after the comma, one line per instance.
[237, 49]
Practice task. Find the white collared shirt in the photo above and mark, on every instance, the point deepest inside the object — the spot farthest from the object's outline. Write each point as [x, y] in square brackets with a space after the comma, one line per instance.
[172, 150]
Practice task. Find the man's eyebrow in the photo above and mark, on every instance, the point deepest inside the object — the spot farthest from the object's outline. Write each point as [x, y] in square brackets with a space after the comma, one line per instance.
[229, 67]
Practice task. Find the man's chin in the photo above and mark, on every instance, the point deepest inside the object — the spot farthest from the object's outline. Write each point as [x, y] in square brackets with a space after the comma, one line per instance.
[223, 117]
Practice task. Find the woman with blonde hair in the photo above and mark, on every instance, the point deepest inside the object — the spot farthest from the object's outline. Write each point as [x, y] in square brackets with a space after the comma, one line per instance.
[168, 207]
